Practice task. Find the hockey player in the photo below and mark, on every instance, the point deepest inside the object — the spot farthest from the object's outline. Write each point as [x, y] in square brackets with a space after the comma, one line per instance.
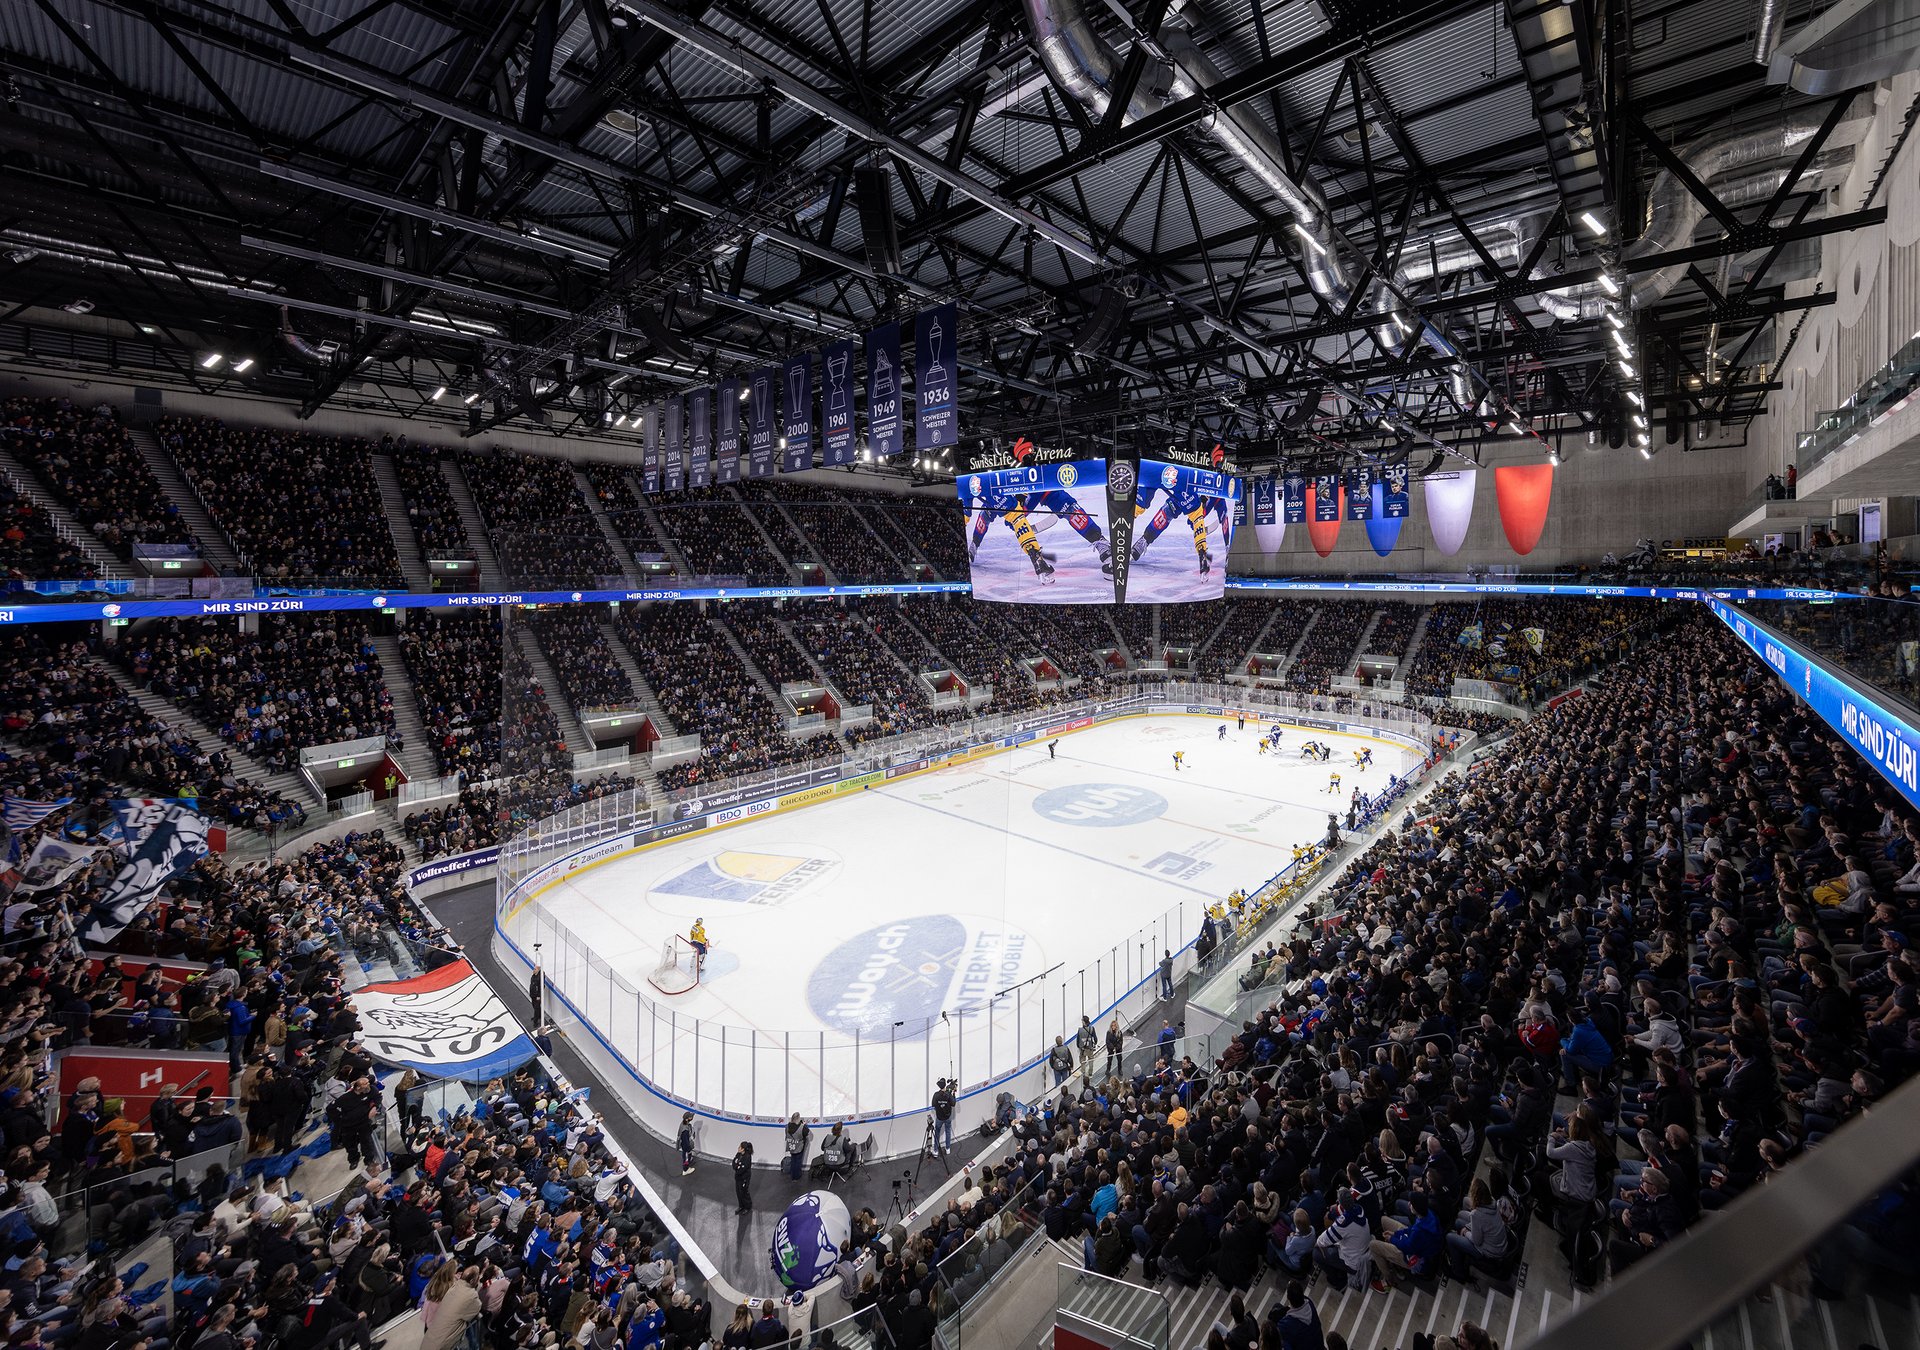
[1263, 745]
[1182, 500]
[697, 935]
[1333, 783]
[1223, 731]
[1362, 758]
[1011, 508]
[1179, 760]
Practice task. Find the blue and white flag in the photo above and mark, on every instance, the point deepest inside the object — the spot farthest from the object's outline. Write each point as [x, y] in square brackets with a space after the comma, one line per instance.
[760, 387]
[1326, 496]
[173, 838]
[53, 862]
[650, 450]
[726, 444]
[675, 441]
[21, 814]
[700, 438]
[1360, 492]
[1293, 499]
[446, 1024]
[836, 403]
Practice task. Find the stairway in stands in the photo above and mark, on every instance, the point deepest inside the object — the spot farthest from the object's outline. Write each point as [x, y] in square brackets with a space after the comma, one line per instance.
[215, 547]
[621, 552]
[760, 529]
[649, 701]
[578, 742]
[65, 524]
[181, 719]
[416, 757]
[475, 526]
[405, 543]
[1413, 643]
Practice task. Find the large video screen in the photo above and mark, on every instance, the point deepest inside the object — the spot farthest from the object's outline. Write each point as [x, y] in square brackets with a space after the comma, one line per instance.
[1037, 533]
[1182, 530]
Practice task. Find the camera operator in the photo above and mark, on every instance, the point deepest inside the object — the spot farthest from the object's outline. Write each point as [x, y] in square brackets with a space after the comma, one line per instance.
[943, 1103]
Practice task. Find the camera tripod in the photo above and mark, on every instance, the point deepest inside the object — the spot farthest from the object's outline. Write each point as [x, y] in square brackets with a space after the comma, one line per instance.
[928, 1149]
[899, 1209]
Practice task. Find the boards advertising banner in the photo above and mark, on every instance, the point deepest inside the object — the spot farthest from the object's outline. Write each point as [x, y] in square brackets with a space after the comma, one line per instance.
[726, 444]
[796, 409]
[936, 386]
[446, 1024]
[674, 443]
[1326, 497]
[1360, 492]
[1393, 491]
[760, 422]
[836, 403]
[1293, 499]
[700, 438]
[886, 432]
[650, 450]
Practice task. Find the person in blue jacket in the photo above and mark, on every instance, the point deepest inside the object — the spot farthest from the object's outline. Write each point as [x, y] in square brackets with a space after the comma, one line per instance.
[1410, 1247]
[1583, 1050]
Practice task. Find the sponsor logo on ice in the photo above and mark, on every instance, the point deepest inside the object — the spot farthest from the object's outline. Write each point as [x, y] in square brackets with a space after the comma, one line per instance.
[895, 980]
[1100, 805]
[746, 877]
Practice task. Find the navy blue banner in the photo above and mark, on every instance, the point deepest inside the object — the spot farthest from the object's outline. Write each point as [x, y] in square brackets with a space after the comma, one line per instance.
[936, 383]
[1240, 506]
[674, 476]
[1360, 492]
[836, 403]
[796, 403]
[1326, 496]
[700, 438]
[1266, 504]
[1293, 498]
[760, 422]
[650, 450]
[1393, 491]
[886, 432]
[726, 445]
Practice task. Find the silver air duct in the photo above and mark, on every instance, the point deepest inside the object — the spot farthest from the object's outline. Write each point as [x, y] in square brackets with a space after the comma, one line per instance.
[1674, 213]
[1084, 66]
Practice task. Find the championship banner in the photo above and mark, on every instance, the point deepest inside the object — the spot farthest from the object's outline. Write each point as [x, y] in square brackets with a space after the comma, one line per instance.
[1266, 503]
[1326, 497]
[1393, 491]
[886, 433]
[836, 403]
[675, 441]
[174, 839]
[936, 392]
[796, 406]
[1240, 503]
[1360, 492]
[727, 434]
[760, 422]
[53, 861]
[1293, 499]
[650, 450]
[700, 437]
[445, 1024]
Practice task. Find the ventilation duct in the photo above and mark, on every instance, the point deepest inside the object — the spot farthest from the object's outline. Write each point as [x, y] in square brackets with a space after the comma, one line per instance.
[1726, 165]
[1086, 68]
[298, 345]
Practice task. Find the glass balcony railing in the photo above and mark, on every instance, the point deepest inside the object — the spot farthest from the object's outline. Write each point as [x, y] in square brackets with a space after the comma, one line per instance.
[1885, 392]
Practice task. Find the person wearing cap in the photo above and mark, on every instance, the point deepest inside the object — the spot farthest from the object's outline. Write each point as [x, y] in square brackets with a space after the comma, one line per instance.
[1650, 1219]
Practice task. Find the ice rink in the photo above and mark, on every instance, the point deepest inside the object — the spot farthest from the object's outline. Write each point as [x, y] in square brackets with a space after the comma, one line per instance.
[1012, 893]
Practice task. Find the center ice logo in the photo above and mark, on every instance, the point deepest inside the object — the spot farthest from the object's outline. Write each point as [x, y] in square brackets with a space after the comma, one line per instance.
[1101, 805]
[895, 980]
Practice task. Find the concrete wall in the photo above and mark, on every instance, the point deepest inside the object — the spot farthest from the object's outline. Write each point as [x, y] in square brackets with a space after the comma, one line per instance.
[1603, 500]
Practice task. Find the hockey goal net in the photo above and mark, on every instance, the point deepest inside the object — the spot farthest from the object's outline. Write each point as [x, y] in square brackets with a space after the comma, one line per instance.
[679, 968]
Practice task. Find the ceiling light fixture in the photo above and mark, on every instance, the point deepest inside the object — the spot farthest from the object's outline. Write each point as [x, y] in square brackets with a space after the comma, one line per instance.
[210, 360]
[243, 365]
[1307, 235]
[1634, 397]
[1614, 318]
[1608, 284]
[1594, 223]
[1626, 369]
[439, 393]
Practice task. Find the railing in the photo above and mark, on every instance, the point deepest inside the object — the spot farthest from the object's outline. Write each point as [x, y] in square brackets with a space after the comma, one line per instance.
[1825, 1243]
[349, 806]
[1880, 395]
[429, 789]
[611, 757]
[1113, 1312]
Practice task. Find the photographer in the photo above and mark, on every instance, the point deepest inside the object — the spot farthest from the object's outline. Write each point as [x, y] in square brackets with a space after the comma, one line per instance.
[943, 1103]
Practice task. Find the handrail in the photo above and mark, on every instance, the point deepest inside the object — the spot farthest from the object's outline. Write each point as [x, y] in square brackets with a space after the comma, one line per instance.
[1661, 1302]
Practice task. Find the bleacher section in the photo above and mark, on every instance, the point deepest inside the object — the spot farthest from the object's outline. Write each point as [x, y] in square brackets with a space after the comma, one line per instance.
[432, 516]
[716, 536]
[85, 459]
[540, 528]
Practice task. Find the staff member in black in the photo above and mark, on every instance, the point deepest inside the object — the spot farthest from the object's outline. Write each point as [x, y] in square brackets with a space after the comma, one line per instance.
[742, 1175]
[534, 993]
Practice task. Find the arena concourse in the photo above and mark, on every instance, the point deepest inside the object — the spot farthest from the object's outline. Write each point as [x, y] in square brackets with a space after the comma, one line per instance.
[1133, 677]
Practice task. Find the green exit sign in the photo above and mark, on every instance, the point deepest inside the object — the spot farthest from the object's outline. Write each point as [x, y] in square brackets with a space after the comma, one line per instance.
[343, 764]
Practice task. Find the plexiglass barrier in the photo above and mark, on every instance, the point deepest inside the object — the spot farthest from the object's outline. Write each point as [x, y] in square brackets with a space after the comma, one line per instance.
[762, 1075]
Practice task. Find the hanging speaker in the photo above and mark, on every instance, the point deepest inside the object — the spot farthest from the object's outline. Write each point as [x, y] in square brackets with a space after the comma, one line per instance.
[873, 194]
[663, 341]
[1102, 322]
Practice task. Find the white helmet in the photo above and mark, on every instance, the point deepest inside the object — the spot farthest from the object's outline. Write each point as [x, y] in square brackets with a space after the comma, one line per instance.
[1169, 477]
[975, 486]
